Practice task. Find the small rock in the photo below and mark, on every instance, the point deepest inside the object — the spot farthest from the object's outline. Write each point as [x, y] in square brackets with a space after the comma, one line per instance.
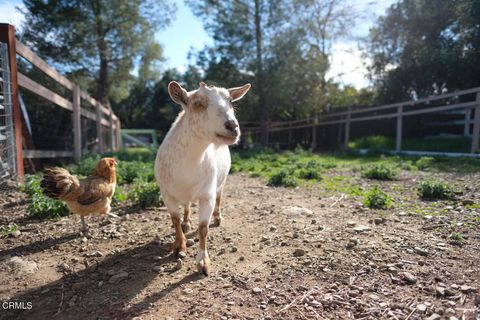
[434, 316]
[234, 249]
[421, 251]
[16, 233]
[182, 254]
[158, 268]
[179, 264]
[257, 290]
[264, 238]
[409, 278]
[118, 277]
[273, 228]
[299, 252]
[421, 307]
[351, 223]
[439, 291]
[468, 202]
[187, 291]
[467, 289]
[379, 220]
[360, 229]
[402, 213]
[297, 211]
[21, 266]
[190, 242]
[241, 258]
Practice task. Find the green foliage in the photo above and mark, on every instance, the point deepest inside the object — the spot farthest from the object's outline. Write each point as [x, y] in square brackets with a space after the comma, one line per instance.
[8, 230]
[411, 45]
[145, 194]
[424, 163]
[128, 171]
[134, 154]
[372, 143]
[457, 237]
[435, 189]
[41, 206]
[377, 199]
[380, 172]
[119, 196]
[283, 178]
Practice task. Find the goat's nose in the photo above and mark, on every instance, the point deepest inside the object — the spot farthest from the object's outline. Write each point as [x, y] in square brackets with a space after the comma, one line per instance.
[231, 125]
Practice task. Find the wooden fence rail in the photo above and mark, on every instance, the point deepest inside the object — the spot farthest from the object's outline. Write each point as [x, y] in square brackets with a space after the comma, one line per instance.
[103, 115]
[396, 111]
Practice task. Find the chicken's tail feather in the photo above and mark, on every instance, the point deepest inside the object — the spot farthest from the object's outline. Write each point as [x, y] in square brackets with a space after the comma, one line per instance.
[58, 183]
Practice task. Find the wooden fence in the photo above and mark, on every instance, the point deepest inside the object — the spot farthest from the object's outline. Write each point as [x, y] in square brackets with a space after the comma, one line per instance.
[103, 115]
[467, 100]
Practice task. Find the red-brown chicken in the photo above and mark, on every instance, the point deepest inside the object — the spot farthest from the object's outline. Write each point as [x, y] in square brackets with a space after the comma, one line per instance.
[91, 195]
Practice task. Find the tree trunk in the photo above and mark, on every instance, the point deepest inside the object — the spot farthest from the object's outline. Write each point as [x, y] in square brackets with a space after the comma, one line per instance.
[102, 90]
[260, 77]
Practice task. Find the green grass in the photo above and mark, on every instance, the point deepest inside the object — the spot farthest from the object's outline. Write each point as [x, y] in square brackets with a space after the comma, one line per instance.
[377, 199]
[8, 230]
[435, 190]
[435, 144]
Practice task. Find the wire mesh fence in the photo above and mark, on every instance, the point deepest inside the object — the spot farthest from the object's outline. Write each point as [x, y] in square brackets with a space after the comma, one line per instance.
[7, 138]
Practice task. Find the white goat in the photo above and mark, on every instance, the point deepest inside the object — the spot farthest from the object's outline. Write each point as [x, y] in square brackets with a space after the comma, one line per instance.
[193, 160]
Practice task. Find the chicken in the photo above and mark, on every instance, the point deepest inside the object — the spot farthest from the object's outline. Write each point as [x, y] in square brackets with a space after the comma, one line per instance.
[91, 195]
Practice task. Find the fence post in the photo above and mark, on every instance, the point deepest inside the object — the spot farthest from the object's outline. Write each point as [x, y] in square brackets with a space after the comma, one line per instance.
[98, 112]
[476, 126]
[112, 132]
[119, 134]
[77, 125]
[314, 133]
[7, 35]
[290, 134]
[466, 125]
[347, 126]
[398, 142]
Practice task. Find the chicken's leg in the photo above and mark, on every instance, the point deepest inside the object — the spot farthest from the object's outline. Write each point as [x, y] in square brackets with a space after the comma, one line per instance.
[84, 228]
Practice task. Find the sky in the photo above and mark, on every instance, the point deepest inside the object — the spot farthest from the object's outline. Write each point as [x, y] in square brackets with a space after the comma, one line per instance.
[187, 32]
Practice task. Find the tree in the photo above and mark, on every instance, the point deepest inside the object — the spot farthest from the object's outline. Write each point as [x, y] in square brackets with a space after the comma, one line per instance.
[100, 40]
[242, 30]
[422, 45]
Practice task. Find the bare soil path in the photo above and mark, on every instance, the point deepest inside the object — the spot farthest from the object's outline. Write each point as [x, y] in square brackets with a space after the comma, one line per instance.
[280, 254]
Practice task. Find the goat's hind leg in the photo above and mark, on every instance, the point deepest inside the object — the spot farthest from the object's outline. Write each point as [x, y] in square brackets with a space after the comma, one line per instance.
[187, 222]
[180, 243]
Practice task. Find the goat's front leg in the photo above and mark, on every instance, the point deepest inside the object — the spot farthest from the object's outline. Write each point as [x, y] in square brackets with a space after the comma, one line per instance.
[204, 212]
[187, 222]
[217, 213]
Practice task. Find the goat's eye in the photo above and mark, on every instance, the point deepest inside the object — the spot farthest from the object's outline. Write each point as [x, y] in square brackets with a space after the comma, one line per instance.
[199, 104]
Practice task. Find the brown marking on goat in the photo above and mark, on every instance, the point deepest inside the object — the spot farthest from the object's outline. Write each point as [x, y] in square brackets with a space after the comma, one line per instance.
[217, 214]
[203, 232]
[180, 243]
[187, 222]
[199, 102]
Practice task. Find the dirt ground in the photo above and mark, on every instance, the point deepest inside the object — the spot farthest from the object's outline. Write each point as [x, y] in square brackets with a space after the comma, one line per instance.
[280, 254]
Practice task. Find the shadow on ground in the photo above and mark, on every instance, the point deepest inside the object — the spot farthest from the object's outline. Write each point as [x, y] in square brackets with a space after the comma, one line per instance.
[77, 295]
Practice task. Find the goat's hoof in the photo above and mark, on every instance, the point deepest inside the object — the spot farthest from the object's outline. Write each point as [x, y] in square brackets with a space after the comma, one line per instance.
[180, 249]
[204, 266]
[217, 221]
[186, 227]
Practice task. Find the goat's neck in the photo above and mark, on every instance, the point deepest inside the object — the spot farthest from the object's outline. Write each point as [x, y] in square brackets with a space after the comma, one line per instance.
[192, 142]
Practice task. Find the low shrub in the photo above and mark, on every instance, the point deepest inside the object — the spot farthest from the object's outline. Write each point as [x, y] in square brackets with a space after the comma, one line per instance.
[377, 199]
[41, 206]
[8, 230]
[145, 194]
[435, 190]
[424, 163]
[282, 178]
[380, 172]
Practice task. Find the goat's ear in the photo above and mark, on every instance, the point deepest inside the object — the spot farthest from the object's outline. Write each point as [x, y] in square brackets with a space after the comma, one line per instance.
[177, 93]
[238, 92]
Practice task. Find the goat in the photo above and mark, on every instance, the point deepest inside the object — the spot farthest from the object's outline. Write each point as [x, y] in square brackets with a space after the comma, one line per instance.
[193, 160]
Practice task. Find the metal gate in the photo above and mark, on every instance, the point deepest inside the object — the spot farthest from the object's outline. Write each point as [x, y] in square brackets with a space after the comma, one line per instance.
[7, 134]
